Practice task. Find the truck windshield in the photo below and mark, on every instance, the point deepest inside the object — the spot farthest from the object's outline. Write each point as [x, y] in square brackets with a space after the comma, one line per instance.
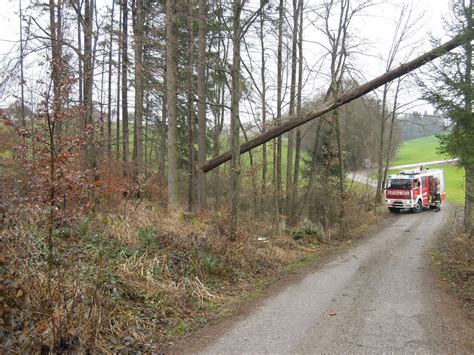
[399, 184]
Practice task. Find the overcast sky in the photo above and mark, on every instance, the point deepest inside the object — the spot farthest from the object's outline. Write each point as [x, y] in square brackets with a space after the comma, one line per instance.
[376, 27]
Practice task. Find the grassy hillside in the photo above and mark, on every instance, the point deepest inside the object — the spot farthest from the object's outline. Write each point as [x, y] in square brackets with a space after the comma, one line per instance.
[418, 150]
[454, 177]
[425, 149]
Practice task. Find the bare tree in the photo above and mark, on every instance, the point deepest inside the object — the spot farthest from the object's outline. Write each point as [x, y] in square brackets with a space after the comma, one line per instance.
[201, 69]
[393, 116]
[171, 93]
[138, 34]
[338, 48]
[404, 29]
[79, 51]
[331, 104]
[109, 93]
[125, 64]
[119, 74]
[234, 115]
[22, 70]
[294, 194]
[278, 186]
[190, 106]
[291, 134]
[263, 93]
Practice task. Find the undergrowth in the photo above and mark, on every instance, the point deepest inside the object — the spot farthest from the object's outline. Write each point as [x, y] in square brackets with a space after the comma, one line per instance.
[136, 282]
[127, 283]
[454, 258]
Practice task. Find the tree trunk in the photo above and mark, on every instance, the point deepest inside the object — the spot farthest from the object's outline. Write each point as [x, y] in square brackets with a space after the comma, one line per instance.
[88, 69]
[383, 120]
[342, 99]
[88, 92]
[125, 128]
[469, 202]
[146, 134]
[291, 134]
[279, 103]
[57, 60]
[109, 92]
[469, 169]
[252, 170]
[163, 129]
[340, 159]
[138, 126]
[171, 90]
[80, 77]
[390, 134]
[191, 106]
[119, 75]
[294, 194]
[22, 73]
[276, 200]
[311, 189]
[201, 69]
[235, 119]
[264, 101]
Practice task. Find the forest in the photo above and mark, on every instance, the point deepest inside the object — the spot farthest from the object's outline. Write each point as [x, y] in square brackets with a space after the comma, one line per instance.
[124, 227]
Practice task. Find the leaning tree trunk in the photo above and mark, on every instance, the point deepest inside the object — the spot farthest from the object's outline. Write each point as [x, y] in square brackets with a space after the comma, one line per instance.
[342, 99]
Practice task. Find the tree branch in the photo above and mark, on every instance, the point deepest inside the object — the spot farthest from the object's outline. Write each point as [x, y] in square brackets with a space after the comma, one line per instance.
[347, 97]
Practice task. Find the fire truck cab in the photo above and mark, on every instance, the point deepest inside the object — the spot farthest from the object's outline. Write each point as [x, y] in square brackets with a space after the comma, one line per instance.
[415, 190]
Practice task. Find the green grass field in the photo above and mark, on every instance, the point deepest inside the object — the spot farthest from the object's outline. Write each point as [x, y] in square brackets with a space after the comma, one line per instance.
[418, 150]
[425, 149]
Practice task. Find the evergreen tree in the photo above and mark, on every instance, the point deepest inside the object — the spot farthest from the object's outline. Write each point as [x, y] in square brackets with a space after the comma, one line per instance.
[450, 90]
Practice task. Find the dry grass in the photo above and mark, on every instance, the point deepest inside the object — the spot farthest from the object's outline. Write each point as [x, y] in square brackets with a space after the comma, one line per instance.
[129, 283]
[454, 257]
[136, 280]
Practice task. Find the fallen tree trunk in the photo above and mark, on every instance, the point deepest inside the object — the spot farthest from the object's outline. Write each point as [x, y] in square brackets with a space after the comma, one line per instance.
[345, 98]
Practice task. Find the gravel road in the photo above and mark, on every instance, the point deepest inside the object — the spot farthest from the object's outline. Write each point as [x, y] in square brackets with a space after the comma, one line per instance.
[379, 297]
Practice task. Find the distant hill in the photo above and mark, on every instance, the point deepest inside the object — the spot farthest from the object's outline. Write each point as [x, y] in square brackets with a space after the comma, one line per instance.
[415, 125]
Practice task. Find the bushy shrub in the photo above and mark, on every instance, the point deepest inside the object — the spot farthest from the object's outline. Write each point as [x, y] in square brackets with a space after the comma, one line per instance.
[210, 263]
[148, 237]
[309, 232]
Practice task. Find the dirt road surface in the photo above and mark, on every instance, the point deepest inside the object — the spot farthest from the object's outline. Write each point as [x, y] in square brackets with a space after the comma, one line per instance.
[378, 297]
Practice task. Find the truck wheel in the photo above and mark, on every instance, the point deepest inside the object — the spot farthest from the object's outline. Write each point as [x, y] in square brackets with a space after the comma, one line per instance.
[418, 207]
[394, 210]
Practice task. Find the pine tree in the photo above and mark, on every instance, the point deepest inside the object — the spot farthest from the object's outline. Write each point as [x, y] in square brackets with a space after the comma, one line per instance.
[450, 90]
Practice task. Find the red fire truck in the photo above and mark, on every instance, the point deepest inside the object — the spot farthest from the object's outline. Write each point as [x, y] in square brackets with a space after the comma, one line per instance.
[415, 190]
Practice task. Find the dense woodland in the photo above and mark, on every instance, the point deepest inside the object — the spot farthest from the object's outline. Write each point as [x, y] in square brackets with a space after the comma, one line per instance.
[111, 222]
